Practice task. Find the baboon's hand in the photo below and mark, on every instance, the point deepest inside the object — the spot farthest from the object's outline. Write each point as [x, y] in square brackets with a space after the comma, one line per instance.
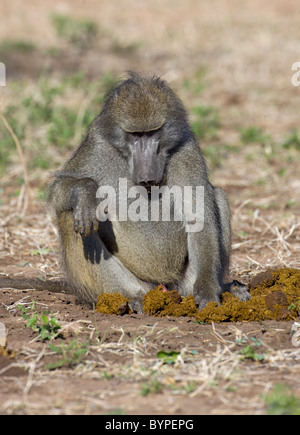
[83, 196]
[136, 306]
[239, 289]
[85, 219]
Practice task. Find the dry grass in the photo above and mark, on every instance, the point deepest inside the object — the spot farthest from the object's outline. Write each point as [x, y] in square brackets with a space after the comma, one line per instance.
[241, 60]
[197, 372]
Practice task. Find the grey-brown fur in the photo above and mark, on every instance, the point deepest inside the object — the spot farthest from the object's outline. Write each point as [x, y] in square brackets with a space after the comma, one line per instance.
[133, 257]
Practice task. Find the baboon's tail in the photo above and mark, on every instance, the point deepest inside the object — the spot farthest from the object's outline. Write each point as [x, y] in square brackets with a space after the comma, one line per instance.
[34, 283]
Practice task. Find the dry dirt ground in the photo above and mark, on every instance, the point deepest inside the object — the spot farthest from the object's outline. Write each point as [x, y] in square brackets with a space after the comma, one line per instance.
[111, 364]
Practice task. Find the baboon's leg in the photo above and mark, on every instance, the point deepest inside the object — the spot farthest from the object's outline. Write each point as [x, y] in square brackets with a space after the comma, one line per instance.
[225, 227]
[92, 269]
[208, 252]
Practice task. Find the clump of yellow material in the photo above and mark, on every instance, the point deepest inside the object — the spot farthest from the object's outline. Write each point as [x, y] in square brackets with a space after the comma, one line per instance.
[274, 295]
[112, 303]
[159, 303]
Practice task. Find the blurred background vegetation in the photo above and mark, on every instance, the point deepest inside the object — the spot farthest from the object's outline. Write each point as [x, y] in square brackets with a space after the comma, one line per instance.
[230, 65]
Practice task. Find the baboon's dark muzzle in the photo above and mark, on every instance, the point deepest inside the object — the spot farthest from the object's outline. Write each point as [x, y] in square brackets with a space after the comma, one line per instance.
[148, 165]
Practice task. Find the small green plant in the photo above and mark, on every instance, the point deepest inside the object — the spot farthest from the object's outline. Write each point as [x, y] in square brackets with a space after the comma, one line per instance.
[206, 123]
[250, 351]
[79, 32]
[44, 323]
[116, 411]
[217, 153]
[295, 306]
[14, 45]
[243, 234]
[40, 161]
[107, 376]
[41, 251]
[196, 83]
[121, 48]
[253, 135]
[61, 129]
[191, 387]
[281, 401]
[168, 357]
[292, 141]
[71, 354]
[154, 387]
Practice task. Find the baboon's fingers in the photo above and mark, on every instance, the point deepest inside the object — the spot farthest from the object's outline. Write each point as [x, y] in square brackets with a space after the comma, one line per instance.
[85, 221]
[95, 224]
[239, 290]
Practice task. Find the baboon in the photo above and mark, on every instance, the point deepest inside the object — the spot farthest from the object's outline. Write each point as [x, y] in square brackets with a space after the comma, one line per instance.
[143, 136]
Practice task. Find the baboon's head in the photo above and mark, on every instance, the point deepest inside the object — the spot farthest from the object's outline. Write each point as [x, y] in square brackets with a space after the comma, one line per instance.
[145, 121]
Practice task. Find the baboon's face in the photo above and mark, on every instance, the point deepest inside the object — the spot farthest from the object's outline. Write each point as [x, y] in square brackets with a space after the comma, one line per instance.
[145, 121]
[141, 110]
[147, 157]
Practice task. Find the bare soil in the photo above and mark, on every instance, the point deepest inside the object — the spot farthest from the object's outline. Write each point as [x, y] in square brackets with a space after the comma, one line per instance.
[122, 359]
[247, 51]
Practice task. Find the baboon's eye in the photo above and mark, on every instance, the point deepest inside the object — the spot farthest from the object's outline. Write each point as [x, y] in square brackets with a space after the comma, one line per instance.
[147, 134]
